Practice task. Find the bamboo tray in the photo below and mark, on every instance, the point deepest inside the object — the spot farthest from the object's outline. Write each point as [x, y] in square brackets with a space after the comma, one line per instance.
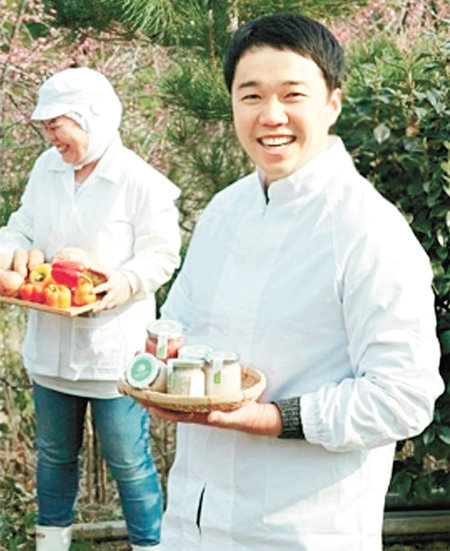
[69, 312]
[253, 383]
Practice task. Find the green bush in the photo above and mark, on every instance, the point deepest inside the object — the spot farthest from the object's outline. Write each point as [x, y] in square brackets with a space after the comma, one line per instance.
[396, 125]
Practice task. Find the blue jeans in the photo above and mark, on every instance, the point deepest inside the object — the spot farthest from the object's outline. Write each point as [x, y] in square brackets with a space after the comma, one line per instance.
[123, 429]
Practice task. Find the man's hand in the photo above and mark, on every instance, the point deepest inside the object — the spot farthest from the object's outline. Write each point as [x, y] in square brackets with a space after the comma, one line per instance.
[117, 289]
[254, 418]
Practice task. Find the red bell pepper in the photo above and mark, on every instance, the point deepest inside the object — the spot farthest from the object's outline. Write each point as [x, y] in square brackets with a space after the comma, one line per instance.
[68, 272]
[34, 292]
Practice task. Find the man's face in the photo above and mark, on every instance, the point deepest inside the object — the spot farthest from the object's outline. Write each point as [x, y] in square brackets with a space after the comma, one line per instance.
[282, 110]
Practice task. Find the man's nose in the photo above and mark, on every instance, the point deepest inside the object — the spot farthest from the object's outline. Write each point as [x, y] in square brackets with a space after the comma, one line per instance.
[273, 112]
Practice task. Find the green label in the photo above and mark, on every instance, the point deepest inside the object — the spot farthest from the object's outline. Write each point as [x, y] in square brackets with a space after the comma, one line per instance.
[141, 369]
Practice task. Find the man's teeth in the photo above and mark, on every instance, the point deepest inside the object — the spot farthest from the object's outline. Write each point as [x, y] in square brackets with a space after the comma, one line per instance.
[277, 141]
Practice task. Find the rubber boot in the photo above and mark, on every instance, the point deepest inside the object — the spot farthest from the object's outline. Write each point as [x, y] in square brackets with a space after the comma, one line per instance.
[53, 538]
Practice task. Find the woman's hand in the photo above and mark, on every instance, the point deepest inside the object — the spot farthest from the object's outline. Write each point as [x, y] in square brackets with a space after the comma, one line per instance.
[24, 261]
[10, 282]
[117, 290]
[254, 418]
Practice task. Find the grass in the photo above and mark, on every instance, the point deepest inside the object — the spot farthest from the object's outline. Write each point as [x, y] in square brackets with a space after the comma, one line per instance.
[124, 546]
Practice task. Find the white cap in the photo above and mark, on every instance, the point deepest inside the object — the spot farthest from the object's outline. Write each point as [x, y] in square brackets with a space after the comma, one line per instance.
[77, 89]
[87, 93]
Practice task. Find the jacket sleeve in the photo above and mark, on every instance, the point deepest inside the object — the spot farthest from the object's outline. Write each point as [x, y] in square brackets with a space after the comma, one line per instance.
[156, 237]
[388, 311]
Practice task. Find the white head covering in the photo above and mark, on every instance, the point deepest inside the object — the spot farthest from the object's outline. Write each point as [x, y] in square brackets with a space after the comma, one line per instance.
[87, 97]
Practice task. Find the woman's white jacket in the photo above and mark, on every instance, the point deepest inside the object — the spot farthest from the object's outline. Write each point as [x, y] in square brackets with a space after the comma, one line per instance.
[124, 216]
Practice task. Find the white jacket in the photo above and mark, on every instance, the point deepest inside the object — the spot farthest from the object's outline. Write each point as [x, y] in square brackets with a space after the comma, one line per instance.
[124, 216]
[326, 290]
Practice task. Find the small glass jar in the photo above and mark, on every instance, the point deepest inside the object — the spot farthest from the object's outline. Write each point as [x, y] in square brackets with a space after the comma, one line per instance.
[223, 372]
[195, 351]
[164, 338]
[185, 377]
[146, 371]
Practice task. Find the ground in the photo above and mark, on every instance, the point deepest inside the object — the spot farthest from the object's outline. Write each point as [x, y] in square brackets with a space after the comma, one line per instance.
[123, 546]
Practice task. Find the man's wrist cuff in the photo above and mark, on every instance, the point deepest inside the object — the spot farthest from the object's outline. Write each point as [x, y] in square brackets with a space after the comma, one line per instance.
[290, 418]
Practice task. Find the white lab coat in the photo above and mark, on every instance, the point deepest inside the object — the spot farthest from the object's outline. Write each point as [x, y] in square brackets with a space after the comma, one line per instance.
[124, 216]
[326, 290]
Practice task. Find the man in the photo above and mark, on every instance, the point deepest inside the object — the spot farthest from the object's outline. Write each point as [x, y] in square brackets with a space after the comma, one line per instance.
[312, 277]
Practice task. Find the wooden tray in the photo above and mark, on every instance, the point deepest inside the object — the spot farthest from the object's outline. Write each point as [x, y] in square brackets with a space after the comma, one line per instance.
[252, 386]
[70, 312]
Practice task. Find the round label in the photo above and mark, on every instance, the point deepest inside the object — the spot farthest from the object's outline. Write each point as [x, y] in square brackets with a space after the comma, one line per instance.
[142, 371]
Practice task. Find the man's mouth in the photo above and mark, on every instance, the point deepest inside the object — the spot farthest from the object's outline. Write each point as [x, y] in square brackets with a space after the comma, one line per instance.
[276, 141]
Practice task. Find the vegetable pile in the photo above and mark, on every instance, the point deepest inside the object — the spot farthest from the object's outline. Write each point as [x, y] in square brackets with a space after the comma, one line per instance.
[61, 284]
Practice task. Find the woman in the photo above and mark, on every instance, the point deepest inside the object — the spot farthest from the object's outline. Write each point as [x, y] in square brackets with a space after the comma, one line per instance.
[89, 191]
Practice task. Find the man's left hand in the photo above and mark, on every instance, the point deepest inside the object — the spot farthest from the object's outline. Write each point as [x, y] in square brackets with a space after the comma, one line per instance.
[255, 418]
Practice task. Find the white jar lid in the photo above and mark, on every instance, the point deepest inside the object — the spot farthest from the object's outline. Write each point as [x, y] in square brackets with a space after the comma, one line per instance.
[186, 363]
[170, 327]
[226, 356]
[142, 370]
[195, 351]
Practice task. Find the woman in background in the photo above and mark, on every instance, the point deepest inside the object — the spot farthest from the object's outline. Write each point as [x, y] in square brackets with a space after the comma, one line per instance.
[89, 191]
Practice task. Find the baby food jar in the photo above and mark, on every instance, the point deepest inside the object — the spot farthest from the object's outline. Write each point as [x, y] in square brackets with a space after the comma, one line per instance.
[223, 372]
[146, 371]
[165, 338]
[185, 377]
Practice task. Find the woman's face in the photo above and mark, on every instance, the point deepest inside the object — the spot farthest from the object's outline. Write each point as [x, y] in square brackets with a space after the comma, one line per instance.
[68, 137]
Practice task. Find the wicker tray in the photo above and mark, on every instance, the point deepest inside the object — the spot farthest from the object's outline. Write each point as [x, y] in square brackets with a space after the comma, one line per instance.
[252, 386]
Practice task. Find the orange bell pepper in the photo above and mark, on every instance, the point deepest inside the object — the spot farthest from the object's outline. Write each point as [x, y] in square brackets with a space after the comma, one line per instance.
[34, 292]
[83, 294]
[58, 296]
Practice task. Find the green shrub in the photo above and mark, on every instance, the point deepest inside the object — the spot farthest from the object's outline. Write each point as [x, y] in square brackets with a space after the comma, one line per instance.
[396, 125]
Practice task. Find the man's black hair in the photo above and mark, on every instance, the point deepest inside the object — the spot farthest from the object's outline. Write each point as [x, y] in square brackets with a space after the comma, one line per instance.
[288, 31]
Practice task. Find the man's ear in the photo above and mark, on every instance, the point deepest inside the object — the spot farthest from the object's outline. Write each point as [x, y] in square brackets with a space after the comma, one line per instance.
[334, 105]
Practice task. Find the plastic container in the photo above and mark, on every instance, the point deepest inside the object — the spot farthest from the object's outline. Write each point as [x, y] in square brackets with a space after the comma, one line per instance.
[146, 371]
[164, 338]
[222, 372]
[185, 377]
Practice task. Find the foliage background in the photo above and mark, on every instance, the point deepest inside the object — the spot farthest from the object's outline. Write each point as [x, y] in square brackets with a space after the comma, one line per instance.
[164, 59]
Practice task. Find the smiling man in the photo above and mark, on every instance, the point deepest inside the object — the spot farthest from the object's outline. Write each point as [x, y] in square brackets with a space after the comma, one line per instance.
[306, 272]
[282, 110]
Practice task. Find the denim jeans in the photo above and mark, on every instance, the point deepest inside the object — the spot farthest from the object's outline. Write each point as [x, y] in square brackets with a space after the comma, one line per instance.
[123, 429]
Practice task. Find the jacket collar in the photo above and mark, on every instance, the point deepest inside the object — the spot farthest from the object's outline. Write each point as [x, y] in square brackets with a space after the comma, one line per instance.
[106, 169]
[311, 178]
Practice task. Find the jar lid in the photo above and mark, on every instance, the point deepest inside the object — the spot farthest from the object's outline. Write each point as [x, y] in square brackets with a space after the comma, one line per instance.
[171, 327]
[142, 370]
[195, 351]
[226, 356]
[187, 363]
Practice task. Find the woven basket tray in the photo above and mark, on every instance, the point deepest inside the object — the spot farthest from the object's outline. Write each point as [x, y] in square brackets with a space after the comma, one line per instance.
[252, 386]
